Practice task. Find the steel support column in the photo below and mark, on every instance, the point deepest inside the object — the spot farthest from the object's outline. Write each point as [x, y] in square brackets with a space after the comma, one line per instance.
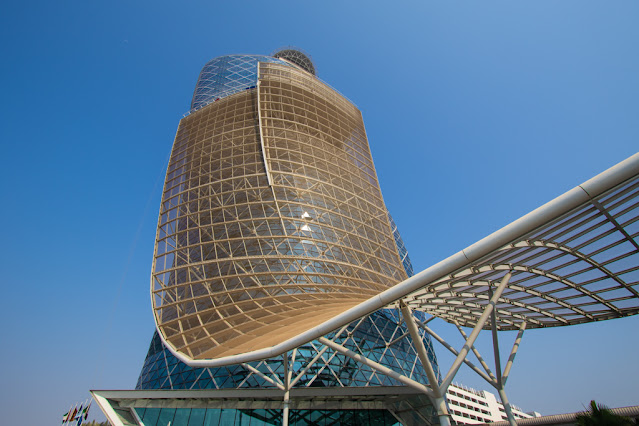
[473, 336]
[513, 352]
[500, 383]
[438, 399]
[287, 384]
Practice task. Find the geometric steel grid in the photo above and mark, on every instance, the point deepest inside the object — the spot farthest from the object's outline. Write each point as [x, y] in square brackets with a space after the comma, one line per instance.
[580, 267]
[272, 220]
[401, 248]
[226, 75]
[380, 336]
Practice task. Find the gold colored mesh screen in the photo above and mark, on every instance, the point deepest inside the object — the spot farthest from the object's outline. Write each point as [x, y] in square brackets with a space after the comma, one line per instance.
[242, 265]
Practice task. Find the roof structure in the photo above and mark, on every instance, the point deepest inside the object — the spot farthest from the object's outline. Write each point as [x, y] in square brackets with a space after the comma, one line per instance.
[298, 57]
[576, 266]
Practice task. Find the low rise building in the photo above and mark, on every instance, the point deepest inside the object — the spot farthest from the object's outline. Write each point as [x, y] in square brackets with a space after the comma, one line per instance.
[470, 406]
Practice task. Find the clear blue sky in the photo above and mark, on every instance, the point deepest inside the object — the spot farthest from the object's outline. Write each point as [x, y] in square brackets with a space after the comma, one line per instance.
[476, 112]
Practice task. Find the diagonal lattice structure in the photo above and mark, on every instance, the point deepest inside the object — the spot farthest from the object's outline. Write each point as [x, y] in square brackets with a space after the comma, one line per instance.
[380, 336]
[227, 75]
[272, 220]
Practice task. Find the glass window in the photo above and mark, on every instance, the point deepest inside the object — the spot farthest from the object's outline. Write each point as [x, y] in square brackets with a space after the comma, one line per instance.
[151, 416]
[212, 417]
[227, 417]
[197, 417]
[181, 417]
[166, 417]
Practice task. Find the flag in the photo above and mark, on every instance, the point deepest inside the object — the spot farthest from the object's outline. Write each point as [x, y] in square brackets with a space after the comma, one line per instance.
[69, 415]
[82, 416]
[73, 414]
[86, 411]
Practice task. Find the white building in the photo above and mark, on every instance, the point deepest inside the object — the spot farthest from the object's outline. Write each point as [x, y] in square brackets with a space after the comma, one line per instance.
[470, 406]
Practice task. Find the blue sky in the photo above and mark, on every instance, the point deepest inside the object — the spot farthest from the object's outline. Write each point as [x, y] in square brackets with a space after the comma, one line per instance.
[476, 113]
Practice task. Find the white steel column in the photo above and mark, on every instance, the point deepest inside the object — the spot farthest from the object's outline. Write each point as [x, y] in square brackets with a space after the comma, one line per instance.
[513, 352]
[438, 399]
[473, 336]
[500, 384]
[287, 383]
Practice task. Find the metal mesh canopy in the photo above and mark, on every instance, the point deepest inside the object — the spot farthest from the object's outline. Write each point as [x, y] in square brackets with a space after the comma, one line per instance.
[579, 267]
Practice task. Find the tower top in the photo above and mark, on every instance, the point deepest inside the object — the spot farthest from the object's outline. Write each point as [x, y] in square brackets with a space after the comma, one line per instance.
[297, 57]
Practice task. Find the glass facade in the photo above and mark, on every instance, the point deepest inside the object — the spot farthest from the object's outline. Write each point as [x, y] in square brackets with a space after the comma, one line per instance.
[377, 337]
[226, 75]
[401, 248]
[373, 338]
[262, 417]
[271, 222]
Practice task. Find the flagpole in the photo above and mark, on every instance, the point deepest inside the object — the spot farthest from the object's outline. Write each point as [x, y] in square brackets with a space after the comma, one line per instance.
[81, 413]
[70, 413]
[66, 416]
[86, 416]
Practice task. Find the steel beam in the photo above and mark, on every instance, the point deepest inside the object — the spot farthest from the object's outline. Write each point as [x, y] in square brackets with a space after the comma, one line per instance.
[439, 399]
[473, 335]
[316, 358]
[478, 355]
[454, 352]
[262, 375]
[513, 353]
[379, 367]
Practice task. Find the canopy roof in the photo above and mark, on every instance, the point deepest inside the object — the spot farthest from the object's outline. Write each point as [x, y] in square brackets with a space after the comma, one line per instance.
[578, 265]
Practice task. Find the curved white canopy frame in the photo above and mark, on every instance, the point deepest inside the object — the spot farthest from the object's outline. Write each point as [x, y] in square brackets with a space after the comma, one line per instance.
[572, 260]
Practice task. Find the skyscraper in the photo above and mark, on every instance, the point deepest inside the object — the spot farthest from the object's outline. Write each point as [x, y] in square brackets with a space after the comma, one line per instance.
[272, 220]
[272, 230]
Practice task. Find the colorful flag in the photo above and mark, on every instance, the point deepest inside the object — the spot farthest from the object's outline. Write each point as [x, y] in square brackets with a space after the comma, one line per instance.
[73, 414]
[76, 414]
[86, 411]
[69, 415]
[82, 416]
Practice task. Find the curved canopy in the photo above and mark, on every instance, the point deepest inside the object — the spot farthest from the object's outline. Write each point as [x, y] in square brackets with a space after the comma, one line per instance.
[577, 266]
